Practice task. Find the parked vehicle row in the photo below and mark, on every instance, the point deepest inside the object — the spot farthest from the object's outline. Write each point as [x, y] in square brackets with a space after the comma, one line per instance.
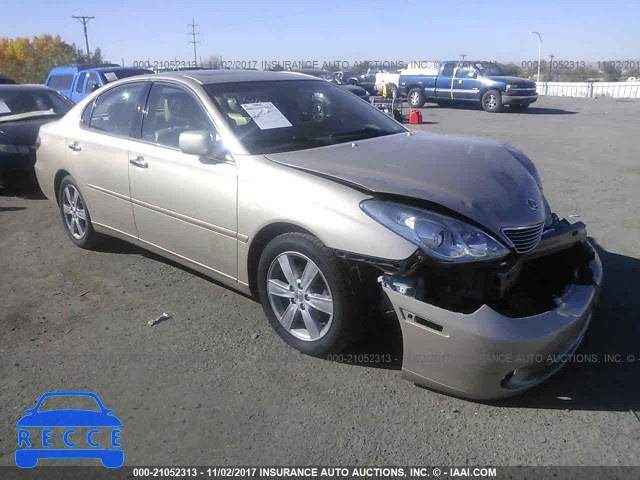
[290, 189]
[333, 78]
[77, 81]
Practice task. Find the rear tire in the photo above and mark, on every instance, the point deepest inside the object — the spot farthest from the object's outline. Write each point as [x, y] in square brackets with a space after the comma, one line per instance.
[76, 219]
[492, 101]
[305, 295]
[416, 98]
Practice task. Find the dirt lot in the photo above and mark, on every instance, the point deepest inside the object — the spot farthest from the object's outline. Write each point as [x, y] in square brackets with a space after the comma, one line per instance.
[215, 386]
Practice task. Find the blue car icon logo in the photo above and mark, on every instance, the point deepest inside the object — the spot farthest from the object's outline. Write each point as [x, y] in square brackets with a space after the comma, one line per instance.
[69, 433]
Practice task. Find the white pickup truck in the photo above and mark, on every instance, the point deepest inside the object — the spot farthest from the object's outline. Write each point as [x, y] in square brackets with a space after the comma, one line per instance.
[392, 79]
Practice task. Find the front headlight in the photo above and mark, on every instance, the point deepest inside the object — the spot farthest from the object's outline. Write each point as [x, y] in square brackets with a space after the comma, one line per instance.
[441, 237]
[511, 87]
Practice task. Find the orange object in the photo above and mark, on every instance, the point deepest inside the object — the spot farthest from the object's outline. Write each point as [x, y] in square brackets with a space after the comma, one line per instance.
[415, 117]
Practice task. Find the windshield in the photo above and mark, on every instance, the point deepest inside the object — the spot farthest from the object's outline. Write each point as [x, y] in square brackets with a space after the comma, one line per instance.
[22, 104]
[488, 69]
[287, 115]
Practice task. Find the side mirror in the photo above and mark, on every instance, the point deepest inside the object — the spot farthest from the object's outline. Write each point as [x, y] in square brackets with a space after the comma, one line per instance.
[472, 74]
[93, 87]
[199, 142]
[352, 81]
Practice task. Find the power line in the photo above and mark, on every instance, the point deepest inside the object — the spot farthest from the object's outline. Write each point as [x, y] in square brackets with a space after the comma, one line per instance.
[84, 20]
[193, 34]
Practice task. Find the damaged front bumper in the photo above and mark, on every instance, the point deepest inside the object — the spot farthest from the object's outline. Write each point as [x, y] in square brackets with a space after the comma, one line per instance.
[494, 351]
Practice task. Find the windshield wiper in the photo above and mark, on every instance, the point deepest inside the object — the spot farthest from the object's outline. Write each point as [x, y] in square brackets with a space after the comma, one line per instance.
[365, 132]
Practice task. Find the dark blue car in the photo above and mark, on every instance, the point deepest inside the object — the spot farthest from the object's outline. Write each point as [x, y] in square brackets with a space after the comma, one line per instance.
[23, 110]
[36, 434]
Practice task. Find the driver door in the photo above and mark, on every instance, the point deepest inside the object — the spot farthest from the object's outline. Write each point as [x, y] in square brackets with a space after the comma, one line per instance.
[183, 204]
[465, 82]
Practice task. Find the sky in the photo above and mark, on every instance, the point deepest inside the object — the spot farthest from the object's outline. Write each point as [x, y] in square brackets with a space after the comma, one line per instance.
[330, 30]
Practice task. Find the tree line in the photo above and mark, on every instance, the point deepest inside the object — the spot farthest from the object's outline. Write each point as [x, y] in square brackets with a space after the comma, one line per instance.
[28, 60]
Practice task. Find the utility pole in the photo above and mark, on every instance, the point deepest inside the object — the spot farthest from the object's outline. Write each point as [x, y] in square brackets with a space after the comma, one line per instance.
[551, 65]
[84, 20]
[538, 79]
[463, 55]
[193, 34]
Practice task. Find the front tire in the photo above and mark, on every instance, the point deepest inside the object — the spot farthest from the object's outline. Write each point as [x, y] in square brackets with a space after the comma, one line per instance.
[76, 219]
[416, 98]
[304, 294]
[492, 101]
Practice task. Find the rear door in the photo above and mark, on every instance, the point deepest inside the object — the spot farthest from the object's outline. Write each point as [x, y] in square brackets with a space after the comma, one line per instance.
[77, 91]
[100, 155]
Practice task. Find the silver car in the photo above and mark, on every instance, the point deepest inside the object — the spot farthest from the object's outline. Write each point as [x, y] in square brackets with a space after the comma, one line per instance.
[292, 190]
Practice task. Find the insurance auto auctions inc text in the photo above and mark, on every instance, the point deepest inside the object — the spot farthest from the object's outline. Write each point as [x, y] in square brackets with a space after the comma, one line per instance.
[376, 472]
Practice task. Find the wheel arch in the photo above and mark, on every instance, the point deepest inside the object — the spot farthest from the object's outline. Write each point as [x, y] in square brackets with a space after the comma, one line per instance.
[260, 240]
[57, 181]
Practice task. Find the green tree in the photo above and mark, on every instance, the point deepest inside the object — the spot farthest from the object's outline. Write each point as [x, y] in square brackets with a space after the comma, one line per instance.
[28, 60]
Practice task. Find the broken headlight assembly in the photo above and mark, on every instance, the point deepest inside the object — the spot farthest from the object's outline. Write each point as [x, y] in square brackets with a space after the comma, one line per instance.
[439, 236]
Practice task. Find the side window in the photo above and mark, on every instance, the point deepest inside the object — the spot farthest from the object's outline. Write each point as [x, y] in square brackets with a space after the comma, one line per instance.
[447, 70]
[465, 71]
[86, 114]
[80, 82]
[93, 82]
[172, 110]
[116, 110]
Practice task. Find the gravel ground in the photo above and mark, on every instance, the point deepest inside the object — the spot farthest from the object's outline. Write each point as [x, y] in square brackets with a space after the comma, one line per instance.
[214, 385]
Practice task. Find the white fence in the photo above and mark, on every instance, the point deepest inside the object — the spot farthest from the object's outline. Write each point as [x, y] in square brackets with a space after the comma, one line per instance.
[590, 89]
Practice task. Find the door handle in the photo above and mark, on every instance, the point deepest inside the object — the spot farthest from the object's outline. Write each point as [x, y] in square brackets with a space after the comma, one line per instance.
[75, 146]
[139, 161]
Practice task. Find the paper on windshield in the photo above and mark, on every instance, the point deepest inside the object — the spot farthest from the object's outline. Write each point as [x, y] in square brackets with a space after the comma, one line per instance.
[110, 76]
[266, 115]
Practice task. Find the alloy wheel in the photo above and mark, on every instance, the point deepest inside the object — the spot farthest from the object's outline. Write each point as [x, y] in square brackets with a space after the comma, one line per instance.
[300, 296]
[75, 215]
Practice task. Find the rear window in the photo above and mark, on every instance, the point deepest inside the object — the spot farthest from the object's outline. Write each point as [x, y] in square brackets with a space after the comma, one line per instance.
[60, 81]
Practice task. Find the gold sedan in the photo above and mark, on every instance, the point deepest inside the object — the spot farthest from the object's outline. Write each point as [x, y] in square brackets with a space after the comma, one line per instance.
[292, 190]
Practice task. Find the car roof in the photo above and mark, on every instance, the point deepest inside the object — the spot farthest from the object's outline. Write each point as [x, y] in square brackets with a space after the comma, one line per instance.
[9, 87]
[80, 66]
[209, 77]
[116, 69]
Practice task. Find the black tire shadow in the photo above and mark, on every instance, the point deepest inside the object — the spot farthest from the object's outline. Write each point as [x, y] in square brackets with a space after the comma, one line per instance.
[121, 247]
[475, 106]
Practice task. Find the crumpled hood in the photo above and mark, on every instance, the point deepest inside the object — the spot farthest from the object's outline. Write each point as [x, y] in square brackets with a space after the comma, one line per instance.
[479, 179]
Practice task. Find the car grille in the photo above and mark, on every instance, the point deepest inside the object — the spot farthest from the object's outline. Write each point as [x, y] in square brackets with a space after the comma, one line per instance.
[526, 238]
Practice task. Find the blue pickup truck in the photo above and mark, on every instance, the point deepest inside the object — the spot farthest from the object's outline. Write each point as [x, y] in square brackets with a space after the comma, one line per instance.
[77, 81]
[485, 82]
